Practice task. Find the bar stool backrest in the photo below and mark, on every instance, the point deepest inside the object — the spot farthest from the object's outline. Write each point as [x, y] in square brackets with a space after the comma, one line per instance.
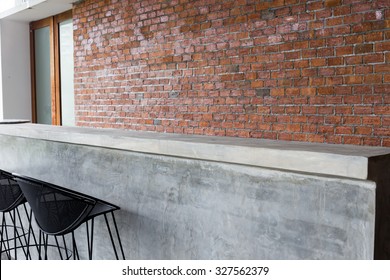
[57, 210]
[11, 195]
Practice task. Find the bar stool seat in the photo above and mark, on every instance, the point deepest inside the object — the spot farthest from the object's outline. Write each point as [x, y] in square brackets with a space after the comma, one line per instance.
[11, 199]
[59, 211]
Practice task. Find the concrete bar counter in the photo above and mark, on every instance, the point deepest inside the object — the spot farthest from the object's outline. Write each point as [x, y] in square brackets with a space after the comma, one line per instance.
[199, 197]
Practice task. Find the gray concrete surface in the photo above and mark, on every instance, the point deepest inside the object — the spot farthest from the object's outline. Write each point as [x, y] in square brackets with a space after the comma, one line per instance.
[338, 160]
[185, 208]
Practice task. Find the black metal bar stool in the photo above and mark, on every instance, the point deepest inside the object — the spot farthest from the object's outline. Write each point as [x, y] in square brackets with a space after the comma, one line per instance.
[59, 211]
[11, 199]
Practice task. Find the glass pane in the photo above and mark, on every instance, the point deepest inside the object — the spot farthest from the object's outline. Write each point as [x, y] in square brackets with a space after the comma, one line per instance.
[42, 75]
[66, 72]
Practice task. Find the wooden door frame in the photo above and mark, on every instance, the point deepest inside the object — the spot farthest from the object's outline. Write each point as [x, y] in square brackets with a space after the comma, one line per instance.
[55, 75]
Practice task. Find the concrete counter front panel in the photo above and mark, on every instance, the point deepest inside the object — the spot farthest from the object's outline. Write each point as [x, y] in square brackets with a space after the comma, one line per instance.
[194, 207]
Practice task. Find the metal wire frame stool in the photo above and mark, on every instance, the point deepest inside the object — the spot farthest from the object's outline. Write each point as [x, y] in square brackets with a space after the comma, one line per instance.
[59, 211]
[11, 199]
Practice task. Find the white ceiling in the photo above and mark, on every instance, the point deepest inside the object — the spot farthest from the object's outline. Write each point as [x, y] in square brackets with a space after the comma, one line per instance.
[37, 9]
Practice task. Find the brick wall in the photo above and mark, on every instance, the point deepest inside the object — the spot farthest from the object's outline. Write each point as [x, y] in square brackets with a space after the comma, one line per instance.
[313, 71]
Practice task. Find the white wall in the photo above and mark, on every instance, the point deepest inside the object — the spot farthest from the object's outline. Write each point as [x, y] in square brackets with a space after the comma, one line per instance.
[7, 4]
[15, 77]
[1, 78]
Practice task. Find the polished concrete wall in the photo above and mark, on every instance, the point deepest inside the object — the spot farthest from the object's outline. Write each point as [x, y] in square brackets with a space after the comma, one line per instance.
[181, 208]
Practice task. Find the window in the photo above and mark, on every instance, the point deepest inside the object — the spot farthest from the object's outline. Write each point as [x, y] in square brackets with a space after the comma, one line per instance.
[52, 70]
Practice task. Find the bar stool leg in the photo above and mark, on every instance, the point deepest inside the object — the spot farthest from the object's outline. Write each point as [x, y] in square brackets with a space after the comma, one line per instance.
[66, 248]
[90, 238]
[117, 234]
[4, 242]
[30, 232]
[75, 250]
[111, 237]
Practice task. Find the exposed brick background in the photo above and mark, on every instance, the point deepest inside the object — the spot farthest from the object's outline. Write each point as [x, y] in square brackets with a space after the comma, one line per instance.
[313, 71]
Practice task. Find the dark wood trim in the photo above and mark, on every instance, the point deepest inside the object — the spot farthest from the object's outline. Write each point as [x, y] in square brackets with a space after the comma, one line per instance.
[40, 23]
[32, 68]
[57, 91]
[56, 113]
[53, 70]
[63, 16]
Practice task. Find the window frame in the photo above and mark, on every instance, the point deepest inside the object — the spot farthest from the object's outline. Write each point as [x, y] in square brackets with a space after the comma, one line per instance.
[55, 75]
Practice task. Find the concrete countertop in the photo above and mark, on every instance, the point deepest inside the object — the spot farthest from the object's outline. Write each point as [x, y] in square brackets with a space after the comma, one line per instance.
[13, 121]
[336, 160]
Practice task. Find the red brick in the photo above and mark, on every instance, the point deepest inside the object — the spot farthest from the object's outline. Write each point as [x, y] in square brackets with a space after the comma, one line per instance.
[373, 58]
[325, 90]
[325, 129]
[371, 120]
[278, 69]
[372, 99]
[382, 110]
[277, 92]
[334, 21]
[325, 110]
[316, 81]
[374, 36]
[374, 79]
[382, 46]
[344, 110]
[318, 62]
[299, 137]
[343, 71]
[292, 91]
[342, 10]
[344, 130]
[382, 131]
[363, 110]
[371, 141]
[386, 121]
[344, 50]
[334, 139]
[363, 69]
[334, 81]
[353, 79]
[309, 128]
[382, 68]
[353, 60]
[363, 130]
[363, 48]
[309, 110]
[352, 140]
[308, 91]
[335, 61]
[315, 138]
[332, 3]
[385, 143]
[352, 120]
